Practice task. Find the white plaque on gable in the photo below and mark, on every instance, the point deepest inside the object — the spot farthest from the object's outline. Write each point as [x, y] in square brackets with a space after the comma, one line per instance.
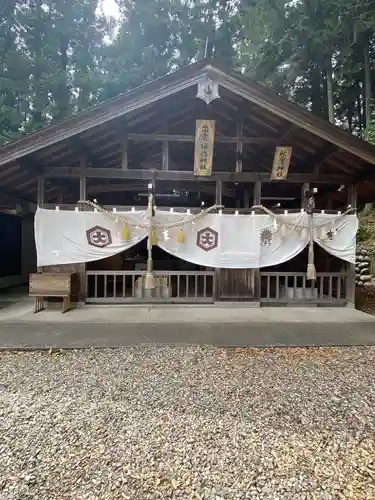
[208, 90]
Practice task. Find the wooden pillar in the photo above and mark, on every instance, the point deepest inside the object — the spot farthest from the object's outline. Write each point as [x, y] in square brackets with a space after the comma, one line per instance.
[218, 201]
[304, 200]
[246, 199]
[165, 155]
[40, 200]
[350, 291]
[239, 147]
[81, 268]
[124, 153]
[257, 197]
[82, 179]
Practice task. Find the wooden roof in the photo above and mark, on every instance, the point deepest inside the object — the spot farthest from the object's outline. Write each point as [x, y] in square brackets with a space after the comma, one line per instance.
[169, 105]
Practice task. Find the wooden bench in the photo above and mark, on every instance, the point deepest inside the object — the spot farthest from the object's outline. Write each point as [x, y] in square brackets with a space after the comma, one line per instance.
[44, 285]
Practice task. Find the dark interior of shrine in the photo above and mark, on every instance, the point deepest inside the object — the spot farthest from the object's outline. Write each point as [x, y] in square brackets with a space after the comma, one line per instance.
[180, 194]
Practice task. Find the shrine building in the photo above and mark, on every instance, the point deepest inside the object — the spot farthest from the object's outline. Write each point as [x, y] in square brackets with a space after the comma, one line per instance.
[199, 187]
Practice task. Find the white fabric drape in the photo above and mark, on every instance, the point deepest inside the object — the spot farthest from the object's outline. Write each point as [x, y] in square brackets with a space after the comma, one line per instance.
[287, 240]
[61, 236]
[234, 240]
[337, 235]
[214, 240]
[239, 239]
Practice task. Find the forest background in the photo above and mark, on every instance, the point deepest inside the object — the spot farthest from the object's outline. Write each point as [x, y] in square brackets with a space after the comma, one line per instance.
[61, 57]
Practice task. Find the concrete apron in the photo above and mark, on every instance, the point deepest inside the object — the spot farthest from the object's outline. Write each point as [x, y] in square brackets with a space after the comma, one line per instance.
[120, 326]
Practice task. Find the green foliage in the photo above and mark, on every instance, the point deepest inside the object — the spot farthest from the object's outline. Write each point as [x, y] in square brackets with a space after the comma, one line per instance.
[61, 57]
[366, 230]
[370, 132]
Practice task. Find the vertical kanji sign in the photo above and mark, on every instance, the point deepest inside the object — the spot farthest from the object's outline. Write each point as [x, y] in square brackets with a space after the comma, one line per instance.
[204, 147]
[281, 162]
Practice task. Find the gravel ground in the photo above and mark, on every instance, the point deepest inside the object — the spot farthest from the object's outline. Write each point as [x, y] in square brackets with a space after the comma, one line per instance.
[188, 423]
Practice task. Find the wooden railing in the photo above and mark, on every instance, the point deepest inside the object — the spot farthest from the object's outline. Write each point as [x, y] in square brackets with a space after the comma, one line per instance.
[171, 286]
[199, 286]
[290, 288]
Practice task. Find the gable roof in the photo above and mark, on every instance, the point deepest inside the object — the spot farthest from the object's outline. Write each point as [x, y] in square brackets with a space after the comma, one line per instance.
[174, 83]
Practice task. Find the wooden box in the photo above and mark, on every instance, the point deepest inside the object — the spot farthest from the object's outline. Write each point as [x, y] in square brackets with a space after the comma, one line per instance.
[42, 285]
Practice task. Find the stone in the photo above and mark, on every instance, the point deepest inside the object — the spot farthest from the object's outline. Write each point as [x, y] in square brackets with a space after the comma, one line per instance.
[365, 270]
[181, 422]
[366, 277]
[362, 265]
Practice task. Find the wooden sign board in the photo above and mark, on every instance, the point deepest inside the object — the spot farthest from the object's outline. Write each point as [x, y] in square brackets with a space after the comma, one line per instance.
[281, 161]
[50, 284]
[204, 147]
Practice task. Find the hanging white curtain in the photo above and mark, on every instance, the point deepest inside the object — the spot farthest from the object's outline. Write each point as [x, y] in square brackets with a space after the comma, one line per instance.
[234, 241]
[65, 237]
[337, 235]
[214, 240]
[282, 239]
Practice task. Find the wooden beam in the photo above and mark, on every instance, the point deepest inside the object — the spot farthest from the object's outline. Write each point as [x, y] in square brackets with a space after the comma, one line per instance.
[25, 163]
[286, 135]
[191, 138]
[316, 161]
[19, 175]
[82, 150]
[137, 187]
[16, 196]
[8, 170]
[187, 175]
[98, 115]
[265, 98]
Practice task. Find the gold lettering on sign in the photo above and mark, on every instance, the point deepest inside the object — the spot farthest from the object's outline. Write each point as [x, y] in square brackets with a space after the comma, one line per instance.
[204, 147]
[281, 162]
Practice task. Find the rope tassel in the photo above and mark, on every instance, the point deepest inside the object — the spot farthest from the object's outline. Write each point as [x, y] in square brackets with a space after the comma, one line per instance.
[125, 233]
[311, 271]
[180, 236]
[154, 239]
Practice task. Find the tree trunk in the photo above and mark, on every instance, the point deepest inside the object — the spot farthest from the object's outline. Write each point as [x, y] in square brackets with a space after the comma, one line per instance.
[316, 92]
[38, 99]
[331, 113]
[63, 94]
[359, 108]
[367, 110]
[350, 113]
